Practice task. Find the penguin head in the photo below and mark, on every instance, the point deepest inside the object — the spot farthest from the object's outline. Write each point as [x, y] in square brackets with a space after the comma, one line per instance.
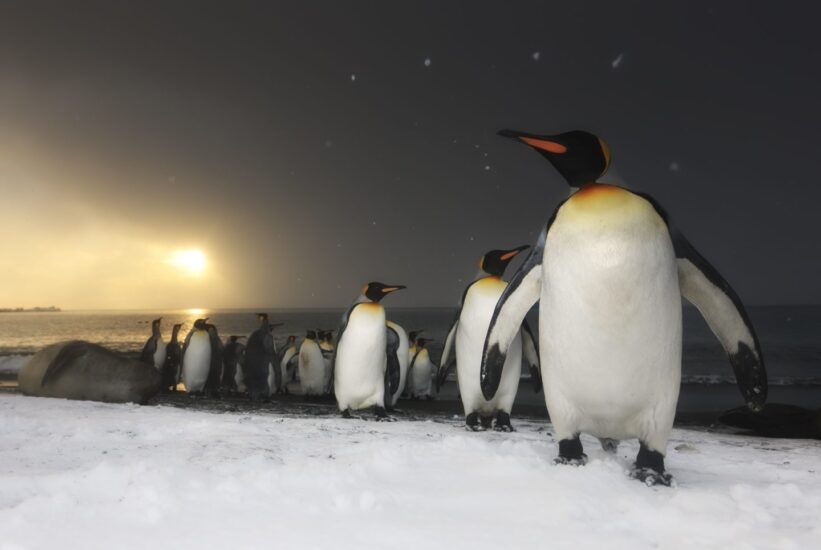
[579, 156]
[310, 335]
[412, 335]
[262, 318]
[201, 324]
[421, 342]
[291, 339]
[495, 262]
[155, 324]
[376, 291]
[212, 329]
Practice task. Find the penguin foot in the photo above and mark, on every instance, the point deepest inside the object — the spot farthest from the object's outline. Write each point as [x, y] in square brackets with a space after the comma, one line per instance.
[649, 468]
[382, 415]
[472, 423]
[571, 452]
[487, 422]
[610, 446]
[651, 478]
[563, 461]
[346, 414]
[503, 422]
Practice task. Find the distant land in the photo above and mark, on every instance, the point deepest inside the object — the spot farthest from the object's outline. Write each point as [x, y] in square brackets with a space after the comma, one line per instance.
[29, 310]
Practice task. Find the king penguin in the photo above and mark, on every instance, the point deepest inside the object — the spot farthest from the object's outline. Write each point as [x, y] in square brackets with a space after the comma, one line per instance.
[466, 337]
[232, 356]
[173, 354]
[259, 355]
[196, 357]
[421, 371]
[154, 349]
[401, 353]
[361, 358]
[312, 378]
[609, 270]
[289, 356]
[328, 348]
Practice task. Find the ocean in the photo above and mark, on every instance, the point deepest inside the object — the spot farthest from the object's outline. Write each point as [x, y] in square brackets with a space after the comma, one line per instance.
[789, 338]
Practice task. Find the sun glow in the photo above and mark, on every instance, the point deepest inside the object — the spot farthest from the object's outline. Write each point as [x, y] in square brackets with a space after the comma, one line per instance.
[191, 260]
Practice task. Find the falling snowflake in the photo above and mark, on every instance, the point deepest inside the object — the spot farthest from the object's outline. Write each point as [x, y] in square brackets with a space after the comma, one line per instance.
[674, 167]
[616, 62]
[487, 167]
[353, 77]
[427, 62]
[536, 55]
[328, 143]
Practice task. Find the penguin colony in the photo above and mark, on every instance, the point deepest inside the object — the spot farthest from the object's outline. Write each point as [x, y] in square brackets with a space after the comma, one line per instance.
[608, 270]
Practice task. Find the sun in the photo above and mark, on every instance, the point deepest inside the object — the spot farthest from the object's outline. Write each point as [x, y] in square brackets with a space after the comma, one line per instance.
[191, 260]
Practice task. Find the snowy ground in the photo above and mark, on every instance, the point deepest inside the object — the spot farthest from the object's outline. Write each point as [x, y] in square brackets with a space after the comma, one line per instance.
[92, 475]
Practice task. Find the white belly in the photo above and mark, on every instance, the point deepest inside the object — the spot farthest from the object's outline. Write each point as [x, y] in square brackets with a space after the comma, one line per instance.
[312, 377]
[197, 362]
[359, 374]
[477, 310]
[420, 379]
[610, 324]
[159, 354]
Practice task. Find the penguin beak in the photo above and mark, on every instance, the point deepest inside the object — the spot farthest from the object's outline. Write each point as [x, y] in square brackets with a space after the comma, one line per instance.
[513, 253]
[389, 289]
[542, 143]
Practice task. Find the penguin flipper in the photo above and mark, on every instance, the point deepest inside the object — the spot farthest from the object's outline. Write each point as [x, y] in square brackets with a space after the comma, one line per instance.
[392, 373]
[149, 349]
[530, 353]
[703, 286]
[520, 295]
[445, 362]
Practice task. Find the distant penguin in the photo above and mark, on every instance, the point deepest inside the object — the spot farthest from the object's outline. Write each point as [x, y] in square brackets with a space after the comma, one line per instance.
[173, 357]
[466, 337]
[196, 357]
[212, 385]
[412, 336]
[421, 371]
[259, 354]
[231, 359]
[154, 349]
[326, 345]
[312, 377]
[361, 360]
[609, 272]
[403, 361]
[289, 358]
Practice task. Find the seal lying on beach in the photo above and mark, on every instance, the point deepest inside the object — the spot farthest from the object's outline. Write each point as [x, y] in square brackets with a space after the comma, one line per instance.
[82, 370]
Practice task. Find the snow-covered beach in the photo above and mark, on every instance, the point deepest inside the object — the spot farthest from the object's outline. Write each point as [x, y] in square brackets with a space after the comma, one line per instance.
[93, 475]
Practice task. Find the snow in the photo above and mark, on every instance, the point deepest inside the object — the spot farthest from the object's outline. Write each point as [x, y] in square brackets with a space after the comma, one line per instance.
[616, 62]
[92, 475]
[427, 62]
[536, 55]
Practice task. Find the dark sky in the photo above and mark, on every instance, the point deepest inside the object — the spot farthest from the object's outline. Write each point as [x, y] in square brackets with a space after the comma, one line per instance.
[307, 147]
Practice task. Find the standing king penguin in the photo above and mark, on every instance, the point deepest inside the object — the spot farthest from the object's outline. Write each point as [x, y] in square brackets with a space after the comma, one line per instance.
[467, 336]
[402, 355]
[420, 371]
[361, 357]
[232, 356]
[259, 355]
[609, 270]
[154, 349]
[196, 357]
[173, 356]
[312, 378]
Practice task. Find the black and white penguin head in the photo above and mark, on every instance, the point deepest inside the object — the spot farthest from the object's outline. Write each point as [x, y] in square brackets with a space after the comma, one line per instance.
[212, 329]
[291, 340]
[413, 335]
[262, 318]
[201, 324]
[155, 324]
[376, 291]
[579, 156]
[176, 328]
[310, 335]
[495, 262]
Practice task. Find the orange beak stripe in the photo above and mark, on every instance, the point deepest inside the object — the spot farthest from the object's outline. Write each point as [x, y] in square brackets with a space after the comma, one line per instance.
[510, 254]
[390, 288]
[545, 145]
